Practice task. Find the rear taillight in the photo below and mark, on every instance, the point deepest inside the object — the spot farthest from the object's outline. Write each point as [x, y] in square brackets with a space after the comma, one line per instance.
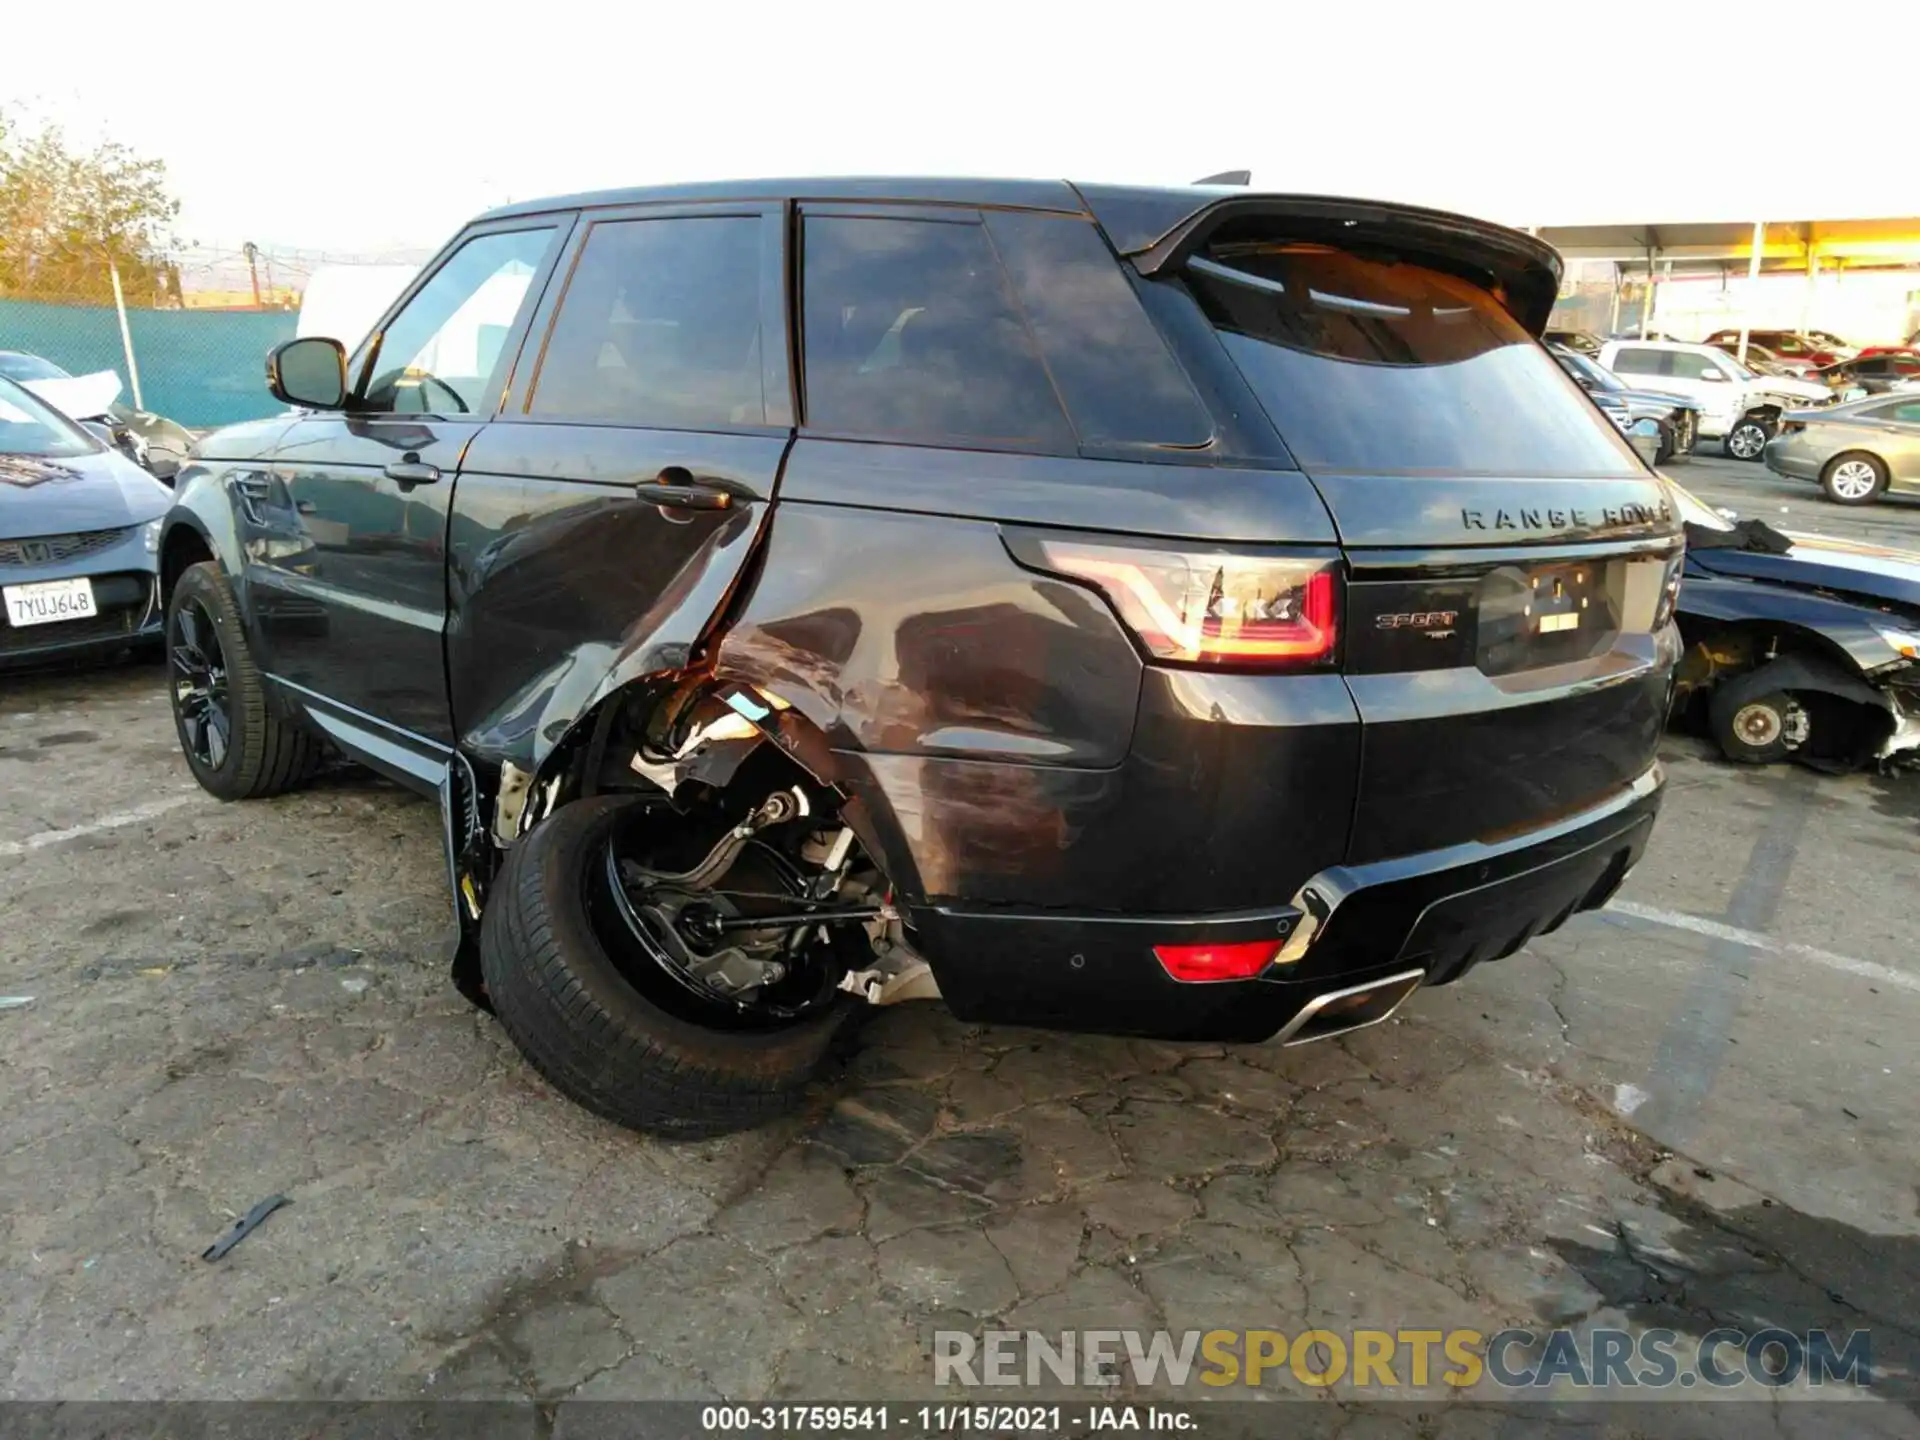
[1237, 960]
[1216, 609]
[1669, 592]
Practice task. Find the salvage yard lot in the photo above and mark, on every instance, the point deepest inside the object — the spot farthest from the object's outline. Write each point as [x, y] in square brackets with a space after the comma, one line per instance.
[1696, 1109]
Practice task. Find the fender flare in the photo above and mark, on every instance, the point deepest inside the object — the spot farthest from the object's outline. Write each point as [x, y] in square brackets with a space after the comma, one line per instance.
[184, 520]
[1837, 630]
[1806, 672]
[863, 805]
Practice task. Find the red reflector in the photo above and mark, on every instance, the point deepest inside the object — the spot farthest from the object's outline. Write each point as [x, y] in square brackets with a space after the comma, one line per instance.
[1237, 960]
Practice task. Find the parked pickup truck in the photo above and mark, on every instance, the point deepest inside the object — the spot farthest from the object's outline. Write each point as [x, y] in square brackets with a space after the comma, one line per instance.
[1738, 406]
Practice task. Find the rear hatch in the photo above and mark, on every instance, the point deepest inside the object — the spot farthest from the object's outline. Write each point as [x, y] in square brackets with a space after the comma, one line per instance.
[1509, 560]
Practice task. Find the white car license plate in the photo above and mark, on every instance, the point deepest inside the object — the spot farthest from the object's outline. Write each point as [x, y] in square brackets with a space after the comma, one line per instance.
[48, 601]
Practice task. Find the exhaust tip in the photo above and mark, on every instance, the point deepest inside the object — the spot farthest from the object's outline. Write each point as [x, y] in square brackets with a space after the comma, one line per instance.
[1339, 1012]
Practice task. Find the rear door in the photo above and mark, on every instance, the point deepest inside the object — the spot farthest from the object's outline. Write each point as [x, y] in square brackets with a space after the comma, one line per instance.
[1899, 440]
[599, 521]
[1507, 554]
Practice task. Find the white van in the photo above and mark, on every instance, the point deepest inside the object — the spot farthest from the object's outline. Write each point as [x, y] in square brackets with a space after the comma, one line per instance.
[344, 301]
[1738, 406]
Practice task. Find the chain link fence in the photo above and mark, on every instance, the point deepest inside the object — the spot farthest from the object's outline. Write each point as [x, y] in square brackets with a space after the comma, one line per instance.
[192, 344]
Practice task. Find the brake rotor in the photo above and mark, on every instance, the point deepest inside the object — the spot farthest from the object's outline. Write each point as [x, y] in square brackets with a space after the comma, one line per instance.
[725, 972]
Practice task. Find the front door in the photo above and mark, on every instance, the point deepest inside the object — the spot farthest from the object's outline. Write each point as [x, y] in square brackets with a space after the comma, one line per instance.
[608, 510]
[351, 583]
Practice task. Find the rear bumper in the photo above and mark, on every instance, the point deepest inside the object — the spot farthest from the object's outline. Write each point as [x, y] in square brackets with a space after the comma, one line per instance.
[1439, 913]
[1785, 455]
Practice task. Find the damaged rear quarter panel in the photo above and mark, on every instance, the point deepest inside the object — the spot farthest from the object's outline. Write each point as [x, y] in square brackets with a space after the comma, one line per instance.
[918, 635]
[972, 706]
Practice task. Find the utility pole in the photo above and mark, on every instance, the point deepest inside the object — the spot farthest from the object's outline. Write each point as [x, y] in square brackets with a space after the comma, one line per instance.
[252, 252]
[126, 334]
[1753, 288]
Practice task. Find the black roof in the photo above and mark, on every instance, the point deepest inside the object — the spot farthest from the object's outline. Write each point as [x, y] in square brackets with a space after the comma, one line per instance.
[928, 190]
[1156, 225]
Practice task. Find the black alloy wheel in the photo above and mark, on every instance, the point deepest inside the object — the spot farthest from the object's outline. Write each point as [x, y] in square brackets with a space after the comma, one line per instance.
[236, 743]
[200, 685]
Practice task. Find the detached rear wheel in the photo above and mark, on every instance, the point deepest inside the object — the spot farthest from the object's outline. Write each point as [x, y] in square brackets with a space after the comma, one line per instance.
[572, 983]
[236, 747]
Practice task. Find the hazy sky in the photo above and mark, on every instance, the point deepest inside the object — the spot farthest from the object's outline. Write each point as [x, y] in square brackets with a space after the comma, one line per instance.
[378, 125]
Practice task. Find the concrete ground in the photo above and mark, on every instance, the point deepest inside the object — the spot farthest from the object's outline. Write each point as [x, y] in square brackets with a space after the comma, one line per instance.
[1755, 492]
[1696, 1109]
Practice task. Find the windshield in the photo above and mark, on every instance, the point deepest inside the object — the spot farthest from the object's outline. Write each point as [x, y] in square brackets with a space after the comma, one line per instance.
[1377, 365]
[1581, 365]
[1694, 511]
[30, 426]
[15, 365]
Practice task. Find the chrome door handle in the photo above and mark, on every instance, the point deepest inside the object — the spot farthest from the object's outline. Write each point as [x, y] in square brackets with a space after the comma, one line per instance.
[675, 488]
[413, 472]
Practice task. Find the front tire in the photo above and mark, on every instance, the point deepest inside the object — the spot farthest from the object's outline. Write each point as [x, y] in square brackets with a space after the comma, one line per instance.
[234, 744]
[1748, 440]
[1854, 478]
[583, 1023]
[1757, 729]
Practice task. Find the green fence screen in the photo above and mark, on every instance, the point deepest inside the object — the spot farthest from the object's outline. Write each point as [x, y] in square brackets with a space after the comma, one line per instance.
[197, 367]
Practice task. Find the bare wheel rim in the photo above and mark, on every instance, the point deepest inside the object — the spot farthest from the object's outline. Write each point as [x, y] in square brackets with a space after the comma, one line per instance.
[1854, 479]
[200, 693]
[1748, 441]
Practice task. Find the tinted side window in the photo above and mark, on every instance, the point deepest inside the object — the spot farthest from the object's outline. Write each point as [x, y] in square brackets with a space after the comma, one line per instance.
[441, 353]
[910, 330]
[1121, 384]
[1683, 365]
[660, 325]
[1907, 411]
[1638, 360]
[1872, 365]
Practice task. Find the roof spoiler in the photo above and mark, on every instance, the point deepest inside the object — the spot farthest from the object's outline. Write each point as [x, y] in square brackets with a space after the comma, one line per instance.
[1159, 229]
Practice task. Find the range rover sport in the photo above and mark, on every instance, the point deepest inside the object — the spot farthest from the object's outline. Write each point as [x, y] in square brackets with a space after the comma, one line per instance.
[1180, 612]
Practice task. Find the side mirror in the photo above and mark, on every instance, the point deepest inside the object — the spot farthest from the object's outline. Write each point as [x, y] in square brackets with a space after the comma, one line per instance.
[1644, 436]
[1715, 377]
[310, 373]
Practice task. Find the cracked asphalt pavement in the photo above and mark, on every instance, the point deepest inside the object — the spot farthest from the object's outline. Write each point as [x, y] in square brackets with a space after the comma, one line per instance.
[1698, 1109]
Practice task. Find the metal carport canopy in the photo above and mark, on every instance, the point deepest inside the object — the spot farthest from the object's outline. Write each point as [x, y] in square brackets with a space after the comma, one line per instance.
[1889, 240]
[1700, 244]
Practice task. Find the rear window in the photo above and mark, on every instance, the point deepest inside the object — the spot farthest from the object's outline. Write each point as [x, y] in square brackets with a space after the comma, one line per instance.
[1387, 367]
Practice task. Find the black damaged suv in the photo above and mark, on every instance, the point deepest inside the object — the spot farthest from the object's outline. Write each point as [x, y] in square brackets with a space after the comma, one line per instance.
[1188, 612]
